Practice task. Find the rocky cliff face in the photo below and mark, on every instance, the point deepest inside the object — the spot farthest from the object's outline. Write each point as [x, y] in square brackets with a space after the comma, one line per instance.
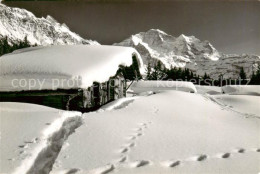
[190, 52]
[16, 24]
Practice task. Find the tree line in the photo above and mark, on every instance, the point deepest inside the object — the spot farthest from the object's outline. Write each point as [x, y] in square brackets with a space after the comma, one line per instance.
[8, 47]
[159, 72]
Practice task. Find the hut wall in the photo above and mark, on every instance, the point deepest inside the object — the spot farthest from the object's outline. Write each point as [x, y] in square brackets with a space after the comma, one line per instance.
[74, 99]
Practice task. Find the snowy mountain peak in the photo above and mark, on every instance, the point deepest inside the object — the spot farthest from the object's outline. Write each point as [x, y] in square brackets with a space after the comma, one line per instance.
[185, 38]
[16, 24]
[158, 31]
[158, 45]
[188, 51]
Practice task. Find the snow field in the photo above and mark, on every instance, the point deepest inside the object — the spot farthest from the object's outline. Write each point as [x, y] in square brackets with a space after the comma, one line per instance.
[190, 133]
[32, 136]
[166, 131]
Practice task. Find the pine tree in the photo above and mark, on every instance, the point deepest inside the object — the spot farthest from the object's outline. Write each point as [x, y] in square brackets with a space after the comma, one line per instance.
[242, 76]
[132, 72]
[255, 79]
[148, 72]
[257, 76]
[6, 47]
[135, 67]
[155, 75]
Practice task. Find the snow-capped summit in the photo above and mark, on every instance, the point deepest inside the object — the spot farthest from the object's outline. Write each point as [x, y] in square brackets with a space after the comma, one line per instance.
[172, 51]
[16, 24]
[188, 51]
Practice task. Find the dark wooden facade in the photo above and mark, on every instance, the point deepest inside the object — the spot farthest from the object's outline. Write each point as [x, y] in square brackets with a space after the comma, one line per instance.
[72, 99]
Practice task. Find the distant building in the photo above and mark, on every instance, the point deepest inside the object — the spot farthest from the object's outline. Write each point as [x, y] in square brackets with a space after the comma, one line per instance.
[78, 77]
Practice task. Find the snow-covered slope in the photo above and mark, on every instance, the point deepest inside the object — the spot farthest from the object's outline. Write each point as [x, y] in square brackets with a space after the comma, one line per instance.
[190, 52]
[16, 24]
[32, 135]
[168, 132]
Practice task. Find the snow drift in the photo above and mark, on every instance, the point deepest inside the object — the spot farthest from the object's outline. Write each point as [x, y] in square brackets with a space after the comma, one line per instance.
[212, 90]
[63, 66]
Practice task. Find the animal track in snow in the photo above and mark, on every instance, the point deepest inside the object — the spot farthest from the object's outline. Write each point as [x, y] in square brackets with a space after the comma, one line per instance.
[172, 163]
[123, 159]
[132, 137]
[131, 145]
[124, 150]
[241, 150]
[139, 134]
[139, 131]
[104, 170]
[140, 163]
[73, 171]
[226, 155]
[202, 158]
[23, 146]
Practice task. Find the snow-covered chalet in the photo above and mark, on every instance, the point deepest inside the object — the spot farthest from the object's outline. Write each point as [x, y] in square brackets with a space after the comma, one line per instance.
[72, 77]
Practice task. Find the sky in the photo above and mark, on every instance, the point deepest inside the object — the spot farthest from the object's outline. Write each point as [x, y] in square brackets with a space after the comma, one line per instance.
[231, 26]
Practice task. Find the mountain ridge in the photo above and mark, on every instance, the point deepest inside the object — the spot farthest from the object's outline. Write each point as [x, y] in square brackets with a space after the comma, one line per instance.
[16, 24]
[187, 51]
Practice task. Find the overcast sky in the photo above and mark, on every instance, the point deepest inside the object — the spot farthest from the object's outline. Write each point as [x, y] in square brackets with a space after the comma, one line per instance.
[232, 27]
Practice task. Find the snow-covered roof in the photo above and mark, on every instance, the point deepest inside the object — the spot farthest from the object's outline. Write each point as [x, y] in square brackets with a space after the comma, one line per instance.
[241, 89]
[64, 67]
[157, 85]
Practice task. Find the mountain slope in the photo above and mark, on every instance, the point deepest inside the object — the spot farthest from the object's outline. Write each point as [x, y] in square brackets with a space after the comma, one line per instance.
[16, 24]
[190, 52]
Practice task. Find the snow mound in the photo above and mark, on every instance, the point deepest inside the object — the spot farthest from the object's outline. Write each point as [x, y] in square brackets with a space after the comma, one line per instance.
[118, 104]
[242, 89]
[212, 90]
[156, 86]
[16, 24]
[63, 66]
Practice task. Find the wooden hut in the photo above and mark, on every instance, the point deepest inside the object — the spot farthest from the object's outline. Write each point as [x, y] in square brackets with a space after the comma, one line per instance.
[102, 70]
